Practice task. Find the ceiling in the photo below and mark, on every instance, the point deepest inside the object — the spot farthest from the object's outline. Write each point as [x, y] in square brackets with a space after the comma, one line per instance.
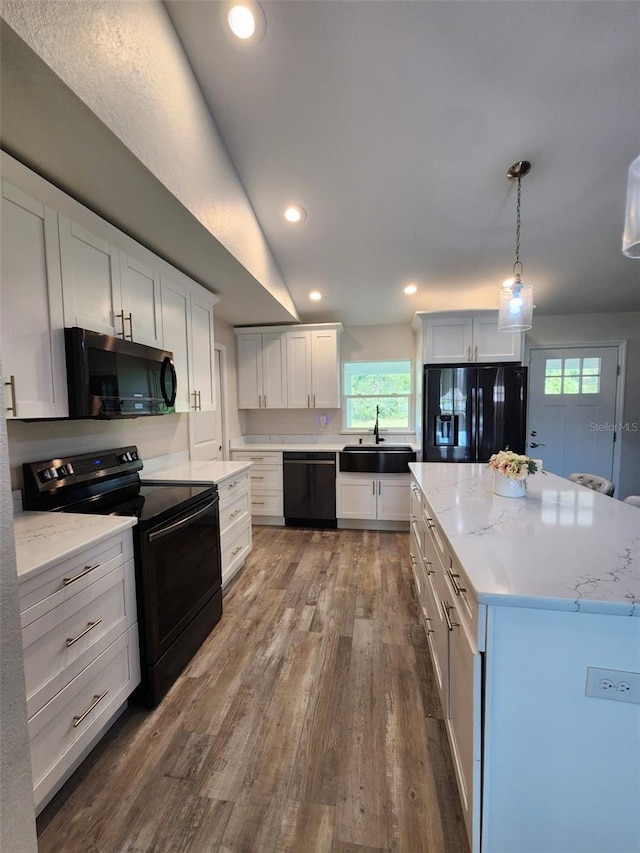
[393, 124]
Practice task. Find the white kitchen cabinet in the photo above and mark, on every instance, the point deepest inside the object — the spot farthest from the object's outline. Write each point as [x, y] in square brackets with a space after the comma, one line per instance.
[382, 497]
[31, 309]
[312, 369]
[141, 302]
[106, 290]
[235, 523]
[188, 332]
[81, 655]
[462, 338]
[262, 375]
[266, 483]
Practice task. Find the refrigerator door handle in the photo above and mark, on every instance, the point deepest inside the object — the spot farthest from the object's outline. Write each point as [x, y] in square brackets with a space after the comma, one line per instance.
[473, 442]
[480, 417]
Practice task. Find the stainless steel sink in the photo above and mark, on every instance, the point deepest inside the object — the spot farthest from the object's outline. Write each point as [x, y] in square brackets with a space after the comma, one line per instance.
[376, 458]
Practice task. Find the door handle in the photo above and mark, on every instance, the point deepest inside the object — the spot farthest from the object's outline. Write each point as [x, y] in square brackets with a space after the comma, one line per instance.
[536, 444]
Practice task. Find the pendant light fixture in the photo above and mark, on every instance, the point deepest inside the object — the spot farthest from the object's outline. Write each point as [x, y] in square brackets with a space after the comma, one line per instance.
[516, 297]
[631, 237]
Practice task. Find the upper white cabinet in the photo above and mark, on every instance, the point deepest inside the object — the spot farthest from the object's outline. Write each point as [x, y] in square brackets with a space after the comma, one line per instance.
[141, 302]
[312, 369]
[187, 325]
[460, 337]
[105, 290]
[31, 316]
[262, 377]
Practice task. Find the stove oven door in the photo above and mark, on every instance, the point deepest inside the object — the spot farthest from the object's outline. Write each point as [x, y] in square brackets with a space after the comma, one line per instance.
[179, 586]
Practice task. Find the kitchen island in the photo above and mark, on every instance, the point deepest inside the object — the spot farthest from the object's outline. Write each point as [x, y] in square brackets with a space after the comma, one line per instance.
[530, 607]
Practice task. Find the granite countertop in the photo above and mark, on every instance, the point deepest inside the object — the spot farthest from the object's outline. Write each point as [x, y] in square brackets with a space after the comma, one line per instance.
[197, 473]
[44, 538]
[562, 547]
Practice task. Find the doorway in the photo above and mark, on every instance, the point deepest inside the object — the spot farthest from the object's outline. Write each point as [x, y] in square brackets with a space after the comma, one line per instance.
[572, 408]
[208, 429]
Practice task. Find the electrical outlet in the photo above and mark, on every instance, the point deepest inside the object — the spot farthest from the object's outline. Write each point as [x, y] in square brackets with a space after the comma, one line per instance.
[613, 684]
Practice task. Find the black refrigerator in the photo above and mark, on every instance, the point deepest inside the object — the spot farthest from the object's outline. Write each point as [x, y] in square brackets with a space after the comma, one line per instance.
[472, 411]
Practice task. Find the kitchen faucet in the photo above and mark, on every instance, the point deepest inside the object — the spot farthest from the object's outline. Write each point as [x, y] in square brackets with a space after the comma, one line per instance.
[376, 429]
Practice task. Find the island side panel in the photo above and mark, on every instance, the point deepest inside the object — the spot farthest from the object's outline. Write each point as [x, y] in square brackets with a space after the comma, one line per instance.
[561, 770]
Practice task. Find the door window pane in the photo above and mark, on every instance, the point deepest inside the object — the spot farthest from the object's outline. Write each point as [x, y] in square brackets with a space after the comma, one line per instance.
[572, 376]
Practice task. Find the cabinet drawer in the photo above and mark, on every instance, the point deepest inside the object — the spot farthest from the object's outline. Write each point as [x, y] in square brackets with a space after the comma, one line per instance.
[60, 644]
[231, 486]
[265, 477]
[236, 544]
[59, 582]
[234, 509]
[267, 503]
[57, 734]
[461, 595]
[273, 457]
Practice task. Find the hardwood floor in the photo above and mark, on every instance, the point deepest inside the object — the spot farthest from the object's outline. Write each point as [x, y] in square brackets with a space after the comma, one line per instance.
[307, 722]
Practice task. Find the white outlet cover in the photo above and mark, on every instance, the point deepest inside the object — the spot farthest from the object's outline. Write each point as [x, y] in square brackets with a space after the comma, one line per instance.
[616, 684]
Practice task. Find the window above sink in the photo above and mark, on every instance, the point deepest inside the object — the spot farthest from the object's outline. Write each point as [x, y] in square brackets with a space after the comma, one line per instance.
[386, 384]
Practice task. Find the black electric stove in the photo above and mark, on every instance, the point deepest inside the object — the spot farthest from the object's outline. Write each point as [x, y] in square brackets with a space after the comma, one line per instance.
[176, 545]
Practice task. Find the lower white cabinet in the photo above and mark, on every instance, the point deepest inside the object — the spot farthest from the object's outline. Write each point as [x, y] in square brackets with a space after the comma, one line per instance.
[265, 476]
[381, 497]
[235, 523]
[81, 655]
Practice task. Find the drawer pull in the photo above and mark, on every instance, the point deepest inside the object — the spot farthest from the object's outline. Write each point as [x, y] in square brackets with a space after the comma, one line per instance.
[12, 384]
[236, 550]
[87, 569]
[428, 563]
[253, 477]
[445, 609]
[257, 503]
[454, 582]
[234, 513]
[256, 458]
[71, 640]
[233, 485]
[97, 698]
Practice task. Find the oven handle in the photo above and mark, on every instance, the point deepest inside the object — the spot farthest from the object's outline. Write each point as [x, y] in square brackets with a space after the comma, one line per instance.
[158, 534]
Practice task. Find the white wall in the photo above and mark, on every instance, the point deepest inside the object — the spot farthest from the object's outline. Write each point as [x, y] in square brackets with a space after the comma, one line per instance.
[154, 436]
[125, 62]
[597, 328]
[236, 420]
[17, 818]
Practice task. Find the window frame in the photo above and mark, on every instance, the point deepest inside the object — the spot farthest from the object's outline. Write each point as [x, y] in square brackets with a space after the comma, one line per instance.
[410, 397]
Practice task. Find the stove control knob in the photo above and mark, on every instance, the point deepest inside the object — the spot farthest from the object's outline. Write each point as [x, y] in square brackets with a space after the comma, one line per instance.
[65, 470]
[134, 455]
[49, 474]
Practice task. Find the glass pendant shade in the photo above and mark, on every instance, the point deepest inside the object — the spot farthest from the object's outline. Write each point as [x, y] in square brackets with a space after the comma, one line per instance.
[516, 306]
[631, 236]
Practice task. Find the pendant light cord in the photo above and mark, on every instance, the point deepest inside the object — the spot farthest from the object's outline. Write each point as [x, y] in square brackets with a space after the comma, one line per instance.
[517, 267]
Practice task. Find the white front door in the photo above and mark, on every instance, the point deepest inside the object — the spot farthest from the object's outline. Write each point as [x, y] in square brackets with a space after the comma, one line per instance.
[572, 409]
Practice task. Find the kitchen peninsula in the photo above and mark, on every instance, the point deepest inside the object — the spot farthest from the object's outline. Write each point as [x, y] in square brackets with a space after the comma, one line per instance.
[530, 607]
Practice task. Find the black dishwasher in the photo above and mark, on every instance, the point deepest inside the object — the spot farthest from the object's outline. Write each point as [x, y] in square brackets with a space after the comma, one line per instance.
[309, 488]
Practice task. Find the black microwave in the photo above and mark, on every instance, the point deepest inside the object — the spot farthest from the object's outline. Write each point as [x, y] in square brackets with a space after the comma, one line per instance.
[113, 378]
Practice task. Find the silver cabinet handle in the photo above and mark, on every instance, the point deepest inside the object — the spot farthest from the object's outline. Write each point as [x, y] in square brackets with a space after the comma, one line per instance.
[469, 353]
[430, 523]
[308, 401]
[234, 513]
[257, 503]
[265, 401]
[254, 477]
[195, 400]
[426, 564]
[199, 401]
[97, 698]
[379, 487]
[87, 569]
[12, 384]
[475, 355]
[120, 317]
[90, 625]
[129, 319]
[233, 485]
[373, 487]
[314, 401]
[454, 582]
[236, 550]
[445, 609]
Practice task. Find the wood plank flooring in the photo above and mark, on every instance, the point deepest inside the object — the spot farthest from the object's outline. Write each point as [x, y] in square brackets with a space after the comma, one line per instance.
[307, 723]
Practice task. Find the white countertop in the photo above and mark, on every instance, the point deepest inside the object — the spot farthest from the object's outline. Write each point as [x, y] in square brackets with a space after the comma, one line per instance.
[44, 538]
[197, 473]
[562, 547]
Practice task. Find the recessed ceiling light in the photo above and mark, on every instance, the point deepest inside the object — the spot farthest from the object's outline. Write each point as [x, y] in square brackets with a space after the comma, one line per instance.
[246, 21]
[411, 288]
[294, 213]
[315, 295]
